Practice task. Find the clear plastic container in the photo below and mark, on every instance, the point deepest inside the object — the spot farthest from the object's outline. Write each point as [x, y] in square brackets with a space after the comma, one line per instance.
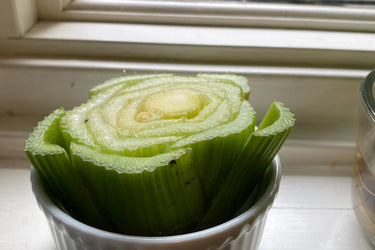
[364, 169]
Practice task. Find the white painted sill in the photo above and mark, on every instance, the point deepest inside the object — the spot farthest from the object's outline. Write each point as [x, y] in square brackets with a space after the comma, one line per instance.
[203, 36]
[250, 46]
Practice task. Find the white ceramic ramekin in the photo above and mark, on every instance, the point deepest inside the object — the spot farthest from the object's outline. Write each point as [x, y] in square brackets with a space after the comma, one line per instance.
[240, 233]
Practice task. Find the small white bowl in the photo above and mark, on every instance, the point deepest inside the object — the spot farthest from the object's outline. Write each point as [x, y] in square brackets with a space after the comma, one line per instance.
[243, 232]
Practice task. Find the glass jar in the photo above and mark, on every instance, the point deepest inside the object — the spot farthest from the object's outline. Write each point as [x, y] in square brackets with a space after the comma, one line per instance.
[364, 169]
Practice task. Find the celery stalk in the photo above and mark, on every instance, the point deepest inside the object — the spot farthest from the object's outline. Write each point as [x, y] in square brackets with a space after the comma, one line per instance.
[256, 155]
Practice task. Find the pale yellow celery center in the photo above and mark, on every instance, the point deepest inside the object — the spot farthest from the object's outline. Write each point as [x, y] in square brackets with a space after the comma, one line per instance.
[170, 104]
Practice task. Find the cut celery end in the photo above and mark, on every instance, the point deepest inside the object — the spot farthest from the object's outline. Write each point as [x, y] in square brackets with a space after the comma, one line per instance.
[46, 137]
[142, 167]
[90, 125]
[279, 117]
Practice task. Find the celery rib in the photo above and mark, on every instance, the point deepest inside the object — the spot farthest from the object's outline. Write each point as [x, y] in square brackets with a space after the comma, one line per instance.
[251, 164]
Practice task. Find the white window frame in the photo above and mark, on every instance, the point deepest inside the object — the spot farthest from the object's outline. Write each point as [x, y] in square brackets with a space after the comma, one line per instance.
[38, 21]
[51, 23]
[52, 53]
[224, 13]
[17, 17]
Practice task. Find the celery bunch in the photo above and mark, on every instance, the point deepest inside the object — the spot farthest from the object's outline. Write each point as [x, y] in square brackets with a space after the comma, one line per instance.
[158, 154]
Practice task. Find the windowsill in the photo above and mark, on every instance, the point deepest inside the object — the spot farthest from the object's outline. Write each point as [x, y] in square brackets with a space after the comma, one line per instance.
[202, 36]
[255, 46]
